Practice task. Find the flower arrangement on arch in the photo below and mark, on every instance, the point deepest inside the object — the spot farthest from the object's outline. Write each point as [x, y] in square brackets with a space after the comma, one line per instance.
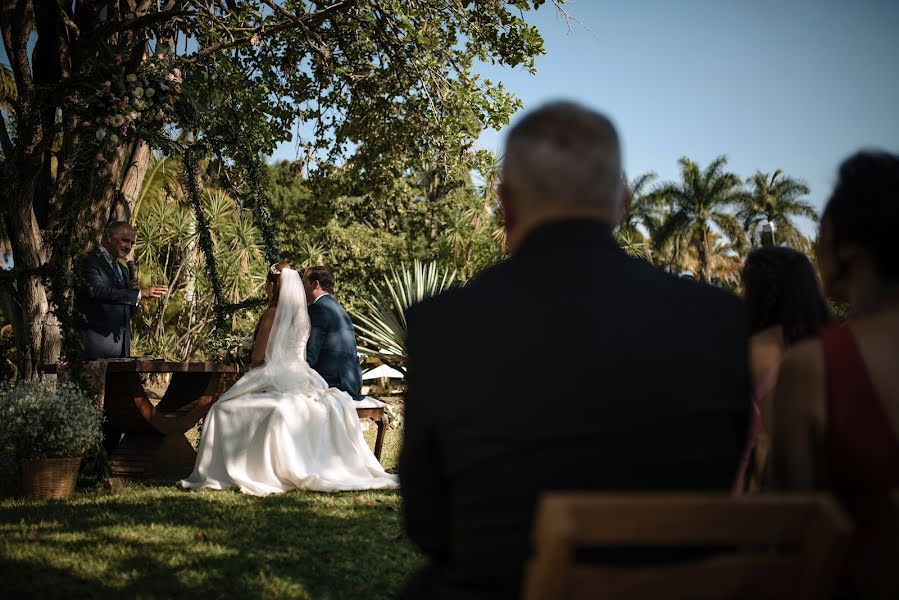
[126, 102]
[40, 419]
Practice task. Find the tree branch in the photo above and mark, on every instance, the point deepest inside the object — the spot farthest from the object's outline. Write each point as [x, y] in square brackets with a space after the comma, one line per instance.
[16, 23]
[142, 22]
[263, 31]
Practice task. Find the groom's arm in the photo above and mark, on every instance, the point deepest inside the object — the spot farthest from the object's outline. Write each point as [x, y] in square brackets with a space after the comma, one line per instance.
[319, 328]
[425, 490]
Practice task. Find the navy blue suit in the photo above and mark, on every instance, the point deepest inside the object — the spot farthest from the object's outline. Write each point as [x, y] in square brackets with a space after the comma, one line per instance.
[585, 370]
[331, 350]
[103, 308]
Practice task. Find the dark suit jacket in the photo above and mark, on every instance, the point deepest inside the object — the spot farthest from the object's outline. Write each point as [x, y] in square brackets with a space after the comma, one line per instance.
[331, 349]
[103, 309]
[568, 366]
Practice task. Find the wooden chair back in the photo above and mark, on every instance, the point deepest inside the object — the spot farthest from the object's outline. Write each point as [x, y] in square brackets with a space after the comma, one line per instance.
[753, 547]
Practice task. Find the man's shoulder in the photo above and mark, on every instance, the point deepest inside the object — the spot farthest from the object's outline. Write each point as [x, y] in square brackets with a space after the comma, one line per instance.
[92, 254]
[671, 288]
[446, 302]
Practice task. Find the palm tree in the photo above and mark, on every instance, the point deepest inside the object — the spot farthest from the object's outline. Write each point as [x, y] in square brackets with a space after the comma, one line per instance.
[698, 202]
[775, 199]
[643, 205]
[641, 210]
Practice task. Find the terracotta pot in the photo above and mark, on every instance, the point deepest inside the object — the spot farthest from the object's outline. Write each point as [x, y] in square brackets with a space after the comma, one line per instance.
[49, 477]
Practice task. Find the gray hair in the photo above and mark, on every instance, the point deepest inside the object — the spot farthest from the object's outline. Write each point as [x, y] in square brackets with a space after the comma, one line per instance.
[564, 155]
[114, 227]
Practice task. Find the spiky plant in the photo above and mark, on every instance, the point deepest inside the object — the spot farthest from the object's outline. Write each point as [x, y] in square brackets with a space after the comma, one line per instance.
[381, 326]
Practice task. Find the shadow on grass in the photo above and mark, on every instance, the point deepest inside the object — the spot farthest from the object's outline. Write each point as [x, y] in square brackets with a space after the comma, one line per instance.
[160, 542]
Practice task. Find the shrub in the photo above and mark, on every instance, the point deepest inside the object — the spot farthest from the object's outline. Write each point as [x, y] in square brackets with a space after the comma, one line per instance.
[47, 420]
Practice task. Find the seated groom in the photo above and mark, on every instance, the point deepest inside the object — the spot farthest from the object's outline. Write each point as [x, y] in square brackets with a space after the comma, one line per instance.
[331, 349]
[584, 369]
[108, 295]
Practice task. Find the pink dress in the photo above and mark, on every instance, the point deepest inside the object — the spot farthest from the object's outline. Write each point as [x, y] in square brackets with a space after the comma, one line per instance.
[756, 426]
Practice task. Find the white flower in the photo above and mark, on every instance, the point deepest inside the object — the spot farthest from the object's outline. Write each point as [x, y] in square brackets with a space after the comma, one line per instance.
[131, 78]
[140, 104]
[117, 120]
[149, 93]
[138, 92]
[114, 139]
[101, 133]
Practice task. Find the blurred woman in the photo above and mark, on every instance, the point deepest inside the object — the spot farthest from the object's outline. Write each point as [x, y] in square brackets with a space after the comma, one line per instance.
[784, 306]
[836, 405]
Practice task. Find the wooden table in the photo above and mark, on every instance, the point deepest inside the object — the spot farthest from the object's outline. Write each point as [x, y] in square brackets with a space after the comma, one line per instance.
[154, 443]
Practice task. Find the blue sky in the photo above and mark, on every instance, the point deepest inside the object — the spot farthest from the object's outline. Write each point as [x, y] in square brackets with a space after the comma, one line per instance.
[792, 84]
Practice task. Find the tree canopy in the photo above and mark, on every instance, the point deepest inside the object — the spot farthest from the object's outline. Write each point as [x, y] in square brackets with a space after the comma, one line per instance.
[373, 87]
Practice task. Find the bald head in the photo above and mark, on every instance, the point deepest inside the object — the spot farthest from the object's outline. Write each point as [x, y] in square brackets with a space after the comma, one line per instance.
[562, 161]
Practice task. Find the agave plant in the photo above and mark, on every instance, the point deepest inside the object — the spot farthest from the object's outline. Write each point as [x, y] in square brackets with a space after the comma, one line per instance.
[381, 328]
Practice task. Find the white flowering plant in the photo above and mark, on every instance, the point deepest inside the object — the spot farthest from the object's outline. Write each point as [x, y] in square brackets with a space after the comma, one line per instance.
[126, 102]
[47, 420]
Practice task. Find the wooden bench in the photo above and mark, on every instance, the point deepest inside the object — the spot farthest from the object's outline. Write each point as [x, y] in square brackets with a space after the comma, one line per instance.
[376, 414]
[752, 547]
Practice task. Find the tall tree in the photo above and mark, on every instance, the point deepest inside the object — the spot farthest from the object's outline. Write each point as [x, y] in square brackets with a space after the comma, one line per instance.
[777, 199]
[375, 85]
[641, 210]
[697, 203]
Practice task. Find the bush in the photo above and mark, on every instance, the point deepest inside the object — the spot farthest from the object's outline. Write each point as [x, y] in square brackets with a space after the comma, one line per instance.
[47, 420]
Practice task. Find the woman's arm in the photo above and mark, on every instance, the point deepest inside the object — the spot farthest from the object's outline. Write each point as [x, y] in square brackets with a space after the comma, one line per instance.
[799, 423]
[260, 340]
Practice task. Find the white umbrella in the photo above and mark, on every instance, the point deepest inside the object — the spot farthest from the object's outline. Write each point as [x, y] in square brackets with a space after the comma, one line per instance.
[382, 371]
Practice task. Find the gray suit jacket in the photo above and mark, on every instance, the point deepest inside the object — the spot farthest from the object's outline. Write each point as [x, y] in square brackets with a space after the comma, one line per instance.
[103, 308]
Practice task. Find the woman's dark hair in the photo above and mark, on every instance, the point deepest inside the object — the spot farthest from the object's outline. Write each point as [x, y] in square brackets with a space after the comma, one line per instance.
[781, 288]
[274, 277]
[864, 208]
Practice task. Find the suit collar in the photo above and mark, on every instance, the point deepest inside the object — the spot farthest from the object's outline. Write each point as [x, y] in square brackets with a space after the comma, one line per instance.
[573, 232]
[105, 258]
[320, 297]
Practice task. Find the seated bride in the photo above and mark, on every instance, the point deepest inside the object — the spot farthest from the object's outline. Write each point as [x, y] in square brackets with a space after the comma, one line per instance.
[280, 427]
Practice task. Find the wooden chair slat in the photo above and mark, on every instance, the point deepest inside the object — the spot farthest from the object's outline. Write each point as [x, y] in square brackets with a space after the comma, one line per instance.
[771, 545]
[633, 520]
[752, 577]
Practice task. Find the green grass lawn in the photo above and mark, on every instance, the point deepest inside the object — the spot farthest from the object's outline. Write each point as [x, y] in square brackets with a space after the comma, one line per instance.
[153, 540]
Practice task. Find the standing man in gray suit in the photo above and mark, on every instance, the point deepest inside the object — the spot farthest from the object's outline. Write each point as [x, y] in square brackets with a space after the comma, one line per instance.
[105, 300]
[108, 294]
[331, 349]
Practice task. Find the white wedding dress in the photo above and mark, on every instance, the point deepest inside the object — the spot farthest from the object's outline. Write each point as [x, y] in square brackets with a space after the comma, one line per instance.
[280, 427]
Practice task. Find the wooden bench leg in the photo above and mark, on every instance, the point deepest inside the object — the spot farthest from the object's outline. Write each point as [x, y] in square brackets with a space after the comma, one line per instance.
[379, 439]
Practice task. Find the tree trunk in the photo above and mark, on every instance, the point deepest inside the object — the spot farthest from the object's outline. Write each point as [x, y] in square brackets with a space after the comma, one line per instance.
[134, 178]
[38, 338]
[705, 257]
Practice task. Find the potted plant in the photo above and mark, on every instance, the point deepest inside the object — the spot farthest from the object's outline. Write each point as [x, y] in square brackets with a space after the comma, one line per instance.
[48, 426]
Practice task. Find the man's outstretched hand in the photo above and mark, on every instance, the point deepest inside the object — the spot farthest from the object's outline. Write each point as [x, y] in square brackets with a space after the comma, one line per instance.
[154, 291]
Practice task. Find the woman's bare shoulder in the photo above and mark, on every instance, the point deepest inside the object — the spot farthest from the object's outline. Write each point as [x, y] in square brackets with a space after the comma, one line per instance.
[266, 319]
[800, 384]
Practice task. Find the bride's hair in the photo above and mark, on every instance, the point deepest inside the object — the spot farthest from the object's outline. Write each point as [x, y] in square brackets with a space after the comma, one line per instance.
[274, 277]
